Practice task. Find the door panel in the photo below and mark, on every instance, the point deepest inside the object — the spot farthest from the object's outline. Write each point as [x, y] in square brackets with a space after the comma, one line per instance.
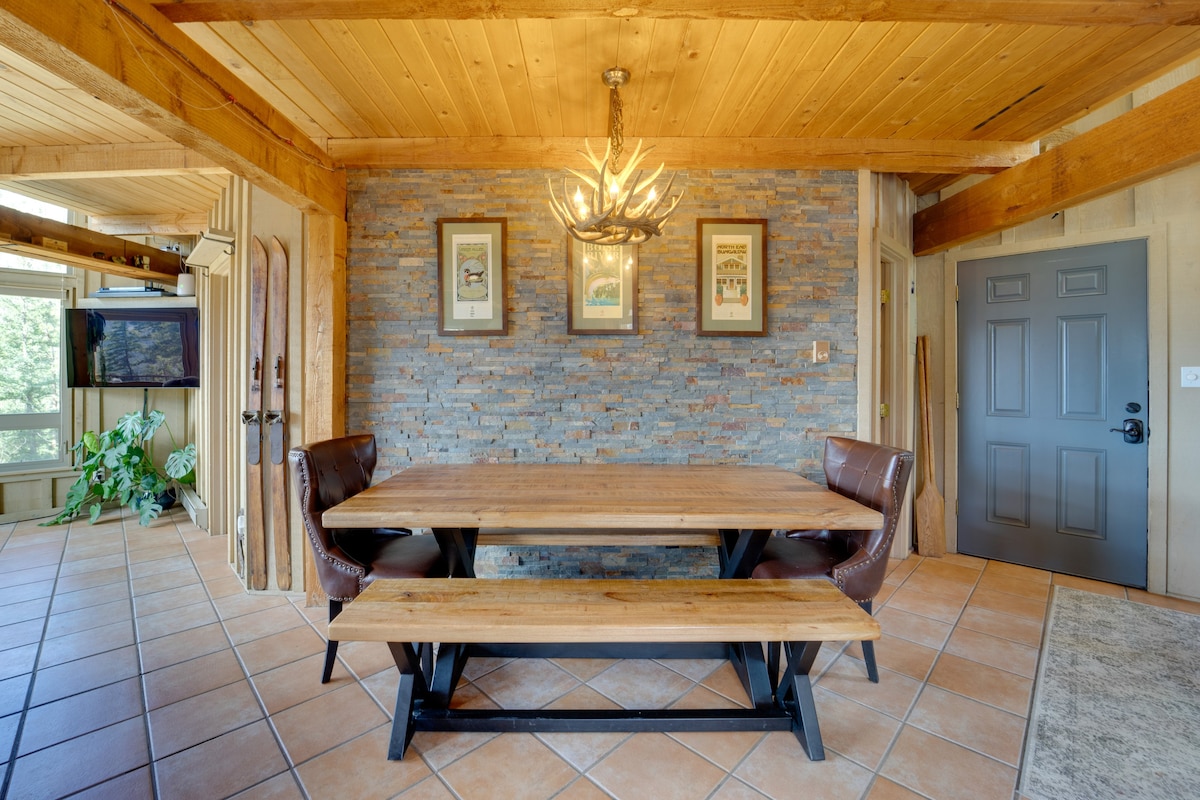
[1052, 357]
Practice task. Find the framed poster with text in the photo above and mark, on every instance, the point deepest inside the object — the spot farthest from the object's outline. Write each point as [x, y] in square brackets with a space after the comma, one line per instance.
[602, 288]
[731, 277]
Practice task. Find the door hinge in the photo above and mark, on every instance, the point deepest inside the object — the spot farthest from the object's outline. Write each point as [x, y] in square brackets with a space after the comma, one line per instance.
[956, 292]
[956, 508]
[956, 399]
[883, 410]
[885, 296]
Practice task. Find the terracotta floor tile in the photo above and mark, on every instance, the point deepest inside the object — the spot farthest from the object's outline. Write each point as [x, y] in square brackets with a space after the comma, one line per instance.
[725, 681]
[86, 643]
[584, 668]
[165, 580]
[931, 584]
[655, 765]
[93, 758]
[66, 622]
[725, 750]
[86, 598]
[107, 562]
[1087, 585]
[236, 605]
[167, 650]
[1017, 571]
[12, 696]
[327, 721]
[1006, 626]
[861, 734]
[26, 591]
[54, 683]
[488, 772]
[942, 770]
[297, 682]
[282, 648]
[901, 568]
[440, 749]
[733, 789]
[26, 610]
[190, 678]
[893, 695]
[913, 627]
[374, 776]
[135, 785]
[167, 599]
[221, 766]
[56, 722]
[196, 719]
[1005, 603]
[365, 658]
[939, 568]
[980, 727]
[778, 766]
[639, 683]
[966, 561]
[898, 655]
[883, 789]
[18, 660]
[582, 789]
[249, 627]
[990, 685]
[143, 569]
[428, 789]
[1035, 590]
[282, 787]
[994, 652]
[583, 750]
[526, 683]
[88, 580]
[18, 634]
[925, 604]
[176, 620]
[1163, 601]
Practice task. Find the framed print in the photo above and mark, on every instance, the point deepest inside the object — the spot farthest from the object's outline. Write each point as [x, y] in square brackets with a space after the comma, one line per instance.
[471, 276]
[731, 277]
[602, 288]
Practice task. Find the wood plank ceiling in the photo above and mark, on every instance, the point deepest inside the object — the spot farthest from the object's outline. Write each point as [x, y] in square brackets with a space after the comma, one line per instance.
[928, 89]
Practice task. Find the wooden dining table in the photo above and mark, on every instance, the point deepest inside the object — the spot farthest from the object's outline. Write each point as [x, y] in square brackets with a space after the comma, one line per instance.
[743, 503]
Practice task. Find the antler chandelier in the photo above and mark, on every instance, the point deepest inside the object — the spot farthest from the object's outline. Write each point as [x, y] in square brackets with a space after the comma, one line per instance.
[624, 207]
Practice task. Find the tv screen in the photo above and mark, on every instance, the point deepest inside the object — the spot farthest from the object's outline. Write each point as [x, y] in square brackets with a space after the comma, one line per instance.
[133, 347]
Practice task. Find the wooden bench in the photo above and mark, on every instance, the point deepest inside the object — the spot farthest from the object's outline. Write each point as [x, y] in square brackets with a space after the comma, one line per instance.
[631, 618]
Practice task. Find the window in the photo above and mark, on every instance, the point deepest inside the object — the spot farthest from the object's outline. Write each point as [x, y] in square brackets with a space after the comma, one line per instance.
[31, 378]
[31, 370]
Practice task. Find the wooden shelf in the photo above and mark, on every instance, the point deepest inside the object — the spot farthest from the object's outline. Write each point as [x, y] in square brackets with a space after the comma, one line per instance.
[85, 262]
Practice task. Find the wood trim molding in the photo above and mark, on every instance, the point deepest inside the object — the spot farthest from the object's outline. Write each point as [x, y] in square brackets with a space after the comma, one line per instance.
[128, 55]
[1060, 12]
[61, 162]
[877, 155]
[1155, 138]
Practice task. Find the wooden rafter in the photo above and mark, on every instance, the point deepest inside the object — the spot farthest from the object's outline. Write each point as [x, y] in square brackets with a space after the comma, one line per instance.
[1151, 140]
[103, 160]
[149, 224]
[1059, 12]
[878, 155]
[128, 55]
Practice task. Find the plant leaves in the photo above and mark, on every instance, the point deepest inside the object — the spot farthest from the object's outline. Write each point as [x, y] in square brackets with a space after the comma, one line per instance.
[181, 461]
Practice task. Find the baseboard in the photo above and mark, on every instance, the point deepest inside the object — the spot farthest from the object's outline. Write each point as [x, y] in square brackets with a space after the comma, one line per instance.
[195, 507]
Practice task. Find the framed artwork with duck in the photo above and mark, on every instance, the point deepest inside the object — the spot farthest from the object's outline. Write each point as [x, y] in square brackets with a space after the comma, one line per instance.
[471, 285]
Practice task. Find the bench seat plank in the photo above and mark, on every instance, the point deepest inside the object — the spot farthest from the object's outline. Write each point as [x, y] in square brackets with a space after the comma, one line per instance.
[534, 611]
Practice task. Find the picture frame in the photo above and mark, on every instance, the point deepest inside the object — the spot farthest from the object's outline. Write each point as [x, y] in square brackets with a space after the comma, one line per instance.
[471, 276]
[602, 288]
[731, 277]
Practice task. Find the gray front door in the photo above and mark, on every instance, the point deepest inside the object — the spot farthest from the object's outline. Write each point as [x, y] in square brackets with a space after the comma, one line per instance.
[1052, 356]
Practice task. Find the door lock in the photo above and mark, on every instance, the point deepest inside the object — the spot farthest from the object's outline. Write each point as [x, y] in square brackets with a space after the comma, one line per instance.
[1132, 429]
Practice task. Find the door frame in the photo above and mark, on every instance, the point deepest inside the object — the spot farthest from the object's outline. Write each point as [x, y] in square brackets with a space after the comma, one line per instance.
[1157, 295]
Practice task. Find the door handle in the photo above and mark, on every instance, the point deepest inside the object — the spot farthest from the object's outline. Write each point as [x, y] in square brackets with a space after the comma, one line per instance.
[1132, 429]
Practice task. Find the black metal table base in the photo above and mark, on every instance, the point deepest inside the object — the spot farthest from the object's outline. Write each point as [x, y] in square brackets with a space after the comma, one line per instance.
[424, 705]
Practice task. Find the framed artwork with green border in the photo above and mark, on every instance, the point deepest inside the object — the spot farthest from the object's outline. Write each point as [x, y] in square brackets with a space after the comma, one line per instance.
[602, 288]
[731, 277]
[471, 287]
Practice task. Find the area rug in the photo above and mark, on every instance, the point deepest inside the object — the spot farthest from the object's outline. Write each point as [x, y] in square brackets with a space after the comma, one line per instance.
[1116, 705]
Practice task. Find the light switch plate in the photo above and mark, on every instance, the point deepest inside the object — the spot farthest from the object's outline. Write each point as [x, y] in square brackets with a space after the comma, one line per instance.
[1190, 377]
[820, 352]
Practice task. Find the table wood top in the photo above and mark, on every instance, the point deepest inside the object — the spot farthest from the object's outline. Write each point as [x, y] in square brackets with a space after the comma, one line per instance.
[531, 611]
[600, 496]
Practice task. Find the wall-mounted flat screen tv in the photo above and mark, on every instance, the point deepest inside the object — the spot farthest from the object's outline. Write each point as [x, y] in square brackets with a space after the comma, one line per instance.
[133, 347]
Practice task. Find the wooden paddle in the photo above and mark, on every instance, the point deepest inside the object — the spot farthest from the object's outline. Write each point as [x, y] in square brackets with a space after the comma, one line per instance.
[930, 507]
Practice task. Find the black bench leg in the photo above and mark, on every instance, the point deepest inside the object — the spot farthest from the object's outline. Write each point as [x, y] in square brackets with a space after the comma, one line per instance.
[797, 687]
[747, 660]
[412, 688]
[868, 648]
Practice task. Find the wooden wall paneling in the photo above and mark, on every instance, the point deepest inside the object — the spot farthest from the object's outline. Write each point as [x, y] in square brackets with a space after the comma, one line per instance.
[634, 39]
[366, 75]
[504, 42]
[310, 38]
[306, 76]
[747, 80]
[483, 69]
[537, 48]
[735, 47]
[872, 79]
[689, 79]
[238, 48]
[807, 72]
[667, 39]
[408, 43]
[570, 43]
[438, 39]
[602, 40]
[397, 81]
[783, 75]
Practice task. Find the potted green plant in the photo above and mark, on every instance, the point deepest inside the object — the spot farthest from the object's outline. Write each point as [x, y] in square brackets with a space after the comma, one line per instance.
[118, 464]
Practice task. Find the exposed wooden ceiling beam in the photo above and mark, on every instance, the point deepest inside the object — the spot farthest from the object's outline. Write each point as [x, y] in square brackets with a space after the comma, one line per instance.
[103, 160]
[128, 55]
[879, 155]
[150, 224]
[1151, 140]
[1053, 12]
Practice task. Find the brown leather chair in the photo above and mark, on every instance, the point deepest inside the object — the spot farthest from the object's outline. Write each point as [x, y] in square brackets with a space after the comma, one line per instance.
[856, 561]
[325, 474]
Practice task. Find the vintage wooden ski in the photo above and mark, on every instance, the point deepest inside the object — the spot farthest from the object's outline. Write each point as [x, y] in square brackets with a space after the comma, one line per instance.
[256, 541]
[274, 419]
